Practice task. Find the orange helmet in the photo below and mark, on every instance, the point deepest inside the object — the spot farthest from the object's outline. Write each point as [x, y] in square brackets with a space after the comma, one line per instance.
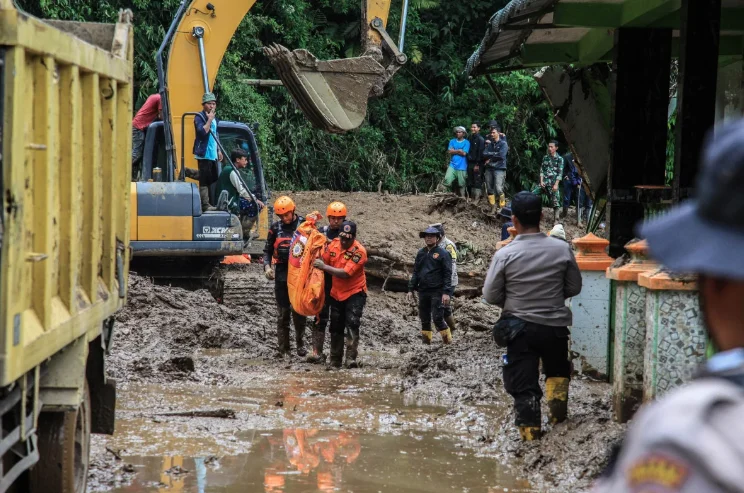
[336, 209]
[283, 205]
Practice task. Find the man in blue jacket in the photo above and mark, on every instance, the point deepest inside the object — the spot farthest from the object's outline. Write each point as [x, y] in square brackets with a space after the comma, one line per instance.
[206, 151]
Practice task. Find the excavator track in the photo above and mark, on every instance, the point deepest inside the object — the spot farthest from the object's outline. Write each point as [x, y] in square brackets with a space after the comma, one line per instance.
[245, 285]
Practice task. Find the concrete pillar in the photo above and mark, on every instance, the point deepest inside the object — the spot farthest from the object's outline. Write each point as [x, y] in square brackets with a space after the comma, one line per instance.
[641, 70]
[629, 330]
[675, 335]
[699, 38]
[591, 309]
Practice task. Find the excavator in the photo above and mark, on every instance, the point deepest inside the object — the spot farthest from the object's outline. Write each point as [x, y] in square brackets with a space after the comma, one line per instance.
[171, 236]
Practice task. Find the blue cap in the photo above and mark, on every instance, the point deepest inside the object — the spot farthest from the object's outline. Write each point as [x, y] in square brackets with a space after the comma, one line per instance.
[431, 230]
[705, 235]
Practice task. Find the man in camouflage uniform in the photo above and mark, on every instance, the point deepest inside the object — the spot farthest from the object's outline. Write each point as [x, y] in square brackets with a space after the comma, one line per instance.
[692, 440]
[551, 171]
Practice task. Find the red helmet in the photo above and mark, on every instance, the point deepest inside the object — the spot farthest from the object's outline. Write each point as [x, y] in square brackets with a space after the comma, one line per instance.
[336, 209]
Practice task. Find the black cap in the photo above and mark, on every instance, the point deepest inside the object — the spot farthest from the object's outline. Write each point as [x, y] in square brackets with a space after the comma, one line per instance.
[348, 229]
[705, 235]
[431, 230]
[494, 124]
[439, 226]
[525, 204]
[506, 212]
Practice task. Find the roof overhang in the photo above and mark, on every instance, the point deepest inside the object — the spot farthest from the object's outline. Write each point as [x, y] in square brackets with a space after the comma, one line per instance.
[535, 33]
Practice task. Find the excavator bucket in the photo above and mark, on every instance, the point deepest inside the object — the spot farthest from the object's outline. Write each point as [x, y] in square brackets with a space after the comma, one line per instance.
[332, 94]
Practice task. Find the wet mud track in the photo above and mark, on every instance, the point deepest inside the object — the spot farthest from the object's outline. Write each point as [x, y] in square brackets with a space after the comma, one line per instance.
[180, 357]
[300, 428]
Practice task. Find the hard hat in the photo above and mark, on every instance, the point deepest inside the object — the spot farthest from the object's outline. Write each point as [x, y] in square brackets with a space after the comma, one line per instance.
[283, 205]
[336, 209]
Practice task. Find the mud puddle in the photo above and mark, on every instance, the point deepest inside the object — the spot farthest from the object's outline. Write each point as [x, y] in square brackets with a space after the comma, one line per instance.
[294, 427]
[301, 460]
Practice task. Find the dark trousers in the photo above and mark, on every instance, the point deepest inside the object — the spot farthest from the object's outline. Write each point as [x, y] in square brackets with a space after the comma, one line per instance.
[285, 313]
[346, 318]
[207, 172]
[430, 306]
[475, 175]
[138, 149]
[521, 371]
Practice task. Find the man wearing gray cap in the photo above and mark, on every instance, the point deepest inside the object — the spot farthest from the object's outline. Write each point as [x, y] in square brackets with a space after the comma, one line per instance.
[692, 440]
[458, 166]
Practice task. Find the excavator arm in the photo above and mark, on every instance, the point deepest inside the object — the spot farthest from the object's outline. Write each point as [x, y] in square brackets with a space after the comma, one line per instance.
[332, 94]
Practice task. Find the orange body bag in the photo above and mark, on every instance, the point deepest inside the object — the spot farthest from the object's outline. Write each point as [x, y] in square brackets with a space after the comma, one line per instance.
[305, 283]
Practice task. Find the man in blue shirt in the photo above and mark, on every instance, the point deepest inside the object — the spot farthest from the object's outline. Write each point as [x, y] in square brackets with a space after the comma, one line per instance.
[458, 166]
[205, 149]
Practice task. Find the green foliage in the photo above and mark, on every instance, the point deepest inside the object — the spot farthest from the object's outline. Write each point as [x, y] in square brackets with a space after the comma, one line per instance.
[403, 141]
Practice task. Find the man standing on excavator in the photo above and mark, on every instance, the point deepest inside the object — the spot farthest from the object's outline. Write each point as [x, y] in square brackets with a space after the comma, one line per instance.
[276, 253]
[206, 150]
[336, 213]
[344, 259]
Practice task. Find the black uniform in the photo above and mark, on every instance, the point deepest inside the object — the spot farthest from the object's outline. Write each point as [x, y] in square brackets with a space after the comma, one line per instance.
[432, 277]
[277, 253]
[475, 161]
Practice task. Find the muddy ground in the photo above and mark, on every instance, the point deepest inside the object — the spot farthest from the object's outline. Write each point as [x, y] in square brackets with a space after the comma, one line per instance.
[165, 334]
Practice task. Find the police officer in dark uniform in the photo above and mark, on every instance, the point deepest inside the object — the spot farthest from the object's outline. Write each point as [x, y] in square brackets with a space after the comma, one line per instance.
[336, 213]
[276, 254]
[692, 439]
[432, 278]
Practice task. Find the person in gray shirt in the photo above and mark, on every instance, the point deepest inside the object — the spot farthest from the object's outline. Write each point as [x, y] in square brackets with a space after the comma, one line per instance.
[530, 279]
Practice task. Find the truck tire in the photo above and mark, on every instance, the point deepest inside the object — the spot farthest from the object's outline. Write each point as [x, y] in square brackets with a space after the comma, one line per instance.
[64, 446]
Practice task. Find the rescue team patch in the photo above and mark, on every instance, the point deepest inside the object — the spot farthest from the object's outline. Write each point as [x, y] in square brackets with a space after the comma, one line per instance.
[658, 470]
[332, 254]
[298, 249]
[347, 256]
[436, 255]
[347, 229]
[356, 258]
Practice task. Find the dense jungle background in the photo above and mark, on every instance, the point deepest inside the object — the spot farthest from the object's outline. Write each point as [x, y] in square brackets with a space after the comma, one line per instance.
[404, 140]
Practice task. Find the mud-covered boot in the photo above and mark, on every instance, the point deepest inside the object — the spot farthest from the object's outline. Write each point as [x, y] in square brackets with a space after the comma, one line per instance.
[352, 352]
[204, 195]
[556, 393]
[564, 214]
[446, 336]
[317, 355]
[555, 215]
[192, 173]
[502, 201]
[450, 319]
[492, 202]
[530, 433]
[299, 326]
[282, 332]
[426, 336]
[337, 350]
[476, 196]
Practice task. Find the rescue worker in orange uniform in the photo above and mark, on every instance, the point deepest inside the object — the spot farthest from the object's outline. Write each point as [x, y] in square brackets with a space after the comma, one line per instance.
[276, 267]
[344, 259]
[336, 214]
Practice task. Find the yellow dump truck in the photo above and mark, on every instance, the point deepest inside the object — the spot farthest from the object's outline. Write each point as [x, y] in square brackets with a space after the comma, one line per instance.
[65, 134]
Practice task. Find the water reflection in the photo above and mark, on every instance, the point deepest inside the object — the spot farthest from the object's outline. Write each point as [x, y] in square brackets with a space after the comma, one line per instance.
[320, 456]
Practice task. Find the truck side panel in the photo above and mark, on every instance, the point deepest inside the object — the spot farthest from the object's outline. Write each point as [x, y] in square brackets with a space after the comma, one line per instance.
[66, 164]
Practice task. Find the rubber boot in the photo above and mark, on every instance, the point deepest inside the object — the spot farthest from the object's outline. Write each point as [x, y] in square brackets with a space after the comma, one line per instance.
[564, 215]
[556, 393]
[317, 355]
[299, 325]
[204, 195]
[502, 201]
[450, 319]
[476, 196]
[426, 336]
[337, 349]
[282, 331]
[530, 433]
[446, 336]
[555, 215]
[352, 352]
[492, 202]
